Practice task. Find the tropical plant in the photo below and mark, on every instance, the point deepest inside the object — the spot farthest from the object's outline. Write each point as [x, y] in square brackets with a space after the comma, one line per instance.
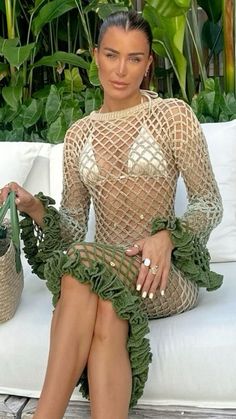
[47, 75]
[48, 78]
[229, 25]
[213, 104]
[182, 40]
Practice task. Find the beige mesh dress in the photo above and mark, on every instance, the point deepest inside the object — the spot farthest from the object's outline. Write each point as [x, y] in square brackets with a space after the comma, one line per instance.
[128, 163]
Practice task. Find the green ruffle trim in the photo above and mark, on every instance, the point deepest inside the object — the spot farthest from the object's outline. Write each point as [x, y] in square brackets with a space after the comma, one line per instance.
[189, 255]
[106, 284]
[39, 244]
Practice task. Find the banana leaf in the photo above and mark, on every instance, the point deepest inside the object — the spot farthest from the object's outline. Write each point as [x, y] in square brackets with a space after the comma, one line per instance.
[168, 37]
[51, 11]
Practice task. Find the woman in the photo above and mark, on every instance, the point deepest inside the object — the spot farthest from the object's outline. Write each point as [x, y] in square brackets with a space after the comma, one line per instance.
[144, 263]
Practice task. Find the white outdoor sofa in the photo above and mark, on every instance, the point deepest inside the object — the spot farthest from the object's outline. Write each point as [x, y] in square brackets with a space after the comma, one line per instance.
[194, 353]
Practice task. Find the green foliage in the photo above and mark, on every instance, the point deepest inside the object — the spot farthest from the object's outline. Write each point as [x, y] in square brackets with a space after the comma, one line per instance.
[47, 116]
[50, 11]
[213, 105]
[213, 9]
[48, 78]
[167, 20]
[61, 57]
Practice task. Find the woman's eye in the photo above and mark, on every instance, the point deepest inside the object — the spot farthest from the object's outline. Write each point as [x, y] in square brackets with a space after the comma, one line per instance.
[135, 59]
[110, 55]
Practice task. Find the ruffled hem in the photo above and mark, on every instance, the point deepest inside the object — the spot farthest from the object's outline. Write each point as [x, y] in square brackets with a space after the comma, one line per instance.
[107, 285]
[190, 256]
[39, 244]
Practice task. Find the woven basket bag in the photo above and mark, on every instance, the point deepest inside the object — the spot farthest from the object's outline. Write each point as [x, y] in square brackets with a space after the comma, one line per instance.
[11, 273]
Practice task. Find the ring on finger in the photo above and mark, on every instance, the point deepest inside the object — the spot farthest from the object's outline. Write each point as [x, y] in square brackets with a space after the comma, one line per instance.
[154, 269]
[146, 262]
[137, 246]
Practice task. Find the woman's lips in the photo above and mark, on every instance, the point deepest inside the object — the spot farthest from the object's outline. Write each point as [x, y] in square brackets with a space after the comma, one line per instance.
[118, 84]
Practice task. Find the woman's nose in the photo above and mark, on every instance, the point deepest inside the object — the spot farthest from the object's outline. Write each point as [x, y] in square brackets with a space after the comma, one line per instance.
[121, 68]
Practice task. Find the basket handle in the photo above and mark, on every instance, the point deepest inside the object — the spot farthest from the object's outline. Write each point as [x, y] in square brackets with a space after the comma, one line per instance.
[15, 226]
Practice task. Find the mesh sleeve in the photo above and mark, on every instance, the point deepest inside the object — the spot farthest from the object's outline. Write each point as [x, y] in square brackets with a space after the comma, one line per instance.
[204, 210]
[74, 209]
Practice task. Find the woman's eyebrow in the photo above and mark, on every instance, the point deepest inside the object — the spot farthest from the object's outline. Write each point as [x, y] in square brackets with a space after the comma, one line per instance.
[117, 52]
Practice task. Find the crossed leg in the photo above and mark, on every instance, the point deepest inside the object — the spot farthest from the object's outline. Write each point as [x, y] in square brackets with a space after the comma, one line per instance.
[86, 330]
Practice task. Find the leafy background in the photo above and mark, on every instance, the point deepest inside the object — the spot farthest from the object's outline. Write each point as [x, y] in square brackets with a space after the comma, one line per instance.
[48, 78]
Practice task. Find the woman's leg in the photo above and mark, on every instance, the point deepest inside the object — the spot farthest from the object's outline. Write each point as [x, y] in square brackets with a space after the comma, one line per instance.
[109, 371]
[71, 335]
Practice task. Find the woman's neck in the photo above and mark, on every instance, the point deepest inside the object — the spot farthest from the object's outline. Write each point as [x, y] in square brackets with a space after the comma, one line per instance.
[111, 105]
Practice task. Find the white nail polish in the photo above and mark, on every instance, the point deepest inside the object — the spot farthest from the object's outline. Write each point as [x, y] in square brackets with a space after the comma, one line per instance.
[162, 293]
[144, 294]
[138, 288]
[151, 295]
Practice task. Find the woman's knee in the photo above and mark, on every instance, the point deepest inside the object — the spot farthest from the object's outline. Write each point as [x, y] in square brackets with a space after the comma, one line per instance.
[109, 326]
[73, 289]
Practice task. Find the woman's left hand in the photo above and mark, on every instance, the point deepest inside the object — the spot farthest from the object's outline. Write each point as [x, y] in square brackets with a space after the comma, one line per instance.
[156, 258]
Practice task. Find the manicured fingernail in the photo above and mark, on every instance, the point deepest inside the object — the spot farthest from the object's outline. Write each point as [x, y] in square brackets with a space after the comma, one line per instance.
[144, 294]
[162, 293]
[138, 288]
[128, 250]
[151, 295]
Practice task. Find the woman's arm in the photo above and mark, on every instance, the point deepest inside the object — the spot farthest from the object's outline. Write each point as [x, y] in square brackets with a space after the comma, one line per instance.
[204, 210]
[183, 240]
[57, 230]
[74, 208]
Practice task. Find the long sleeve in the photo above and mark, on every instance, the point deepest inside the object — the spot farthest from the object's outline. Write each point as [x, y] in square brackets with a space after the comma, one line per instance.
[61, 228]
[74, 209]
[204, 210]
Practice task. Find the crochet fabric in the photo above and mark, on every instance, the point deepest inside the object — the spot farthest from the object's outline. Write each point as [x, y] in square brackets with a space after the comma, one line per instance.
[128, 163]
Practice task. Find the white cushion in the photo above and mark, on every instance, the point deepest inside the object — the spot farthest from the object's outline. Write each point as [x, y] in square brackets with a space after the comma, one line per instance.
[16, 160]
[194, 352]
[38, 177]
[56, 172]
[221, 140]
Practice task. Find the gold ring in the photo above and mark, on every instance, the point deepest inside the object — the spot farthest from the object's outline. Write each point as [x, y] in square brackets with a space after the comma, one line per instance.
[154, 269]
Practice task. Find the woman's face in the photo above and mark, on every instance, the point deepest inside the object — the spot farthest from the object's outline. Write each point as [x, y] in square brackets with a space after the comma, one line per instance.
[123, 58]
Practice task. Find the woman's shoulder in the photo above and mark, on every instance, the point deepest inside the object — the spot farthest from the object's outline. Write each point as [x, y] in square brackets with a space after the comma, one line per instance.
[173, 105]
[78, 129]
[80, 124]
[172, 110]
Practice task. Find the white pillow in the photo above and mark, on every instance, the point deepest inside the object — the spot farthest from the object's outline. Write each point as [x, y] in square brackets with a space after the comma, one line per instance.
[221, 140]
[16, 160]
[38, 178]
[56, 172]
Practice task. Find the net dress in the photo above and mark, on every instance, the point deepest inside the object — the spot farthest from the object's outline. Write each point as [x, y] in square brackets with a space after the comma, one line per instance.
[128, 163]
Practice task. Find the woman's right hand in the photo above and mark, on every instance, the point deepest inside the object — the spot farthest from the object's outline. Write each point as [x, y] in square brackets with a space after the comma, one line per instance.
[25, 201]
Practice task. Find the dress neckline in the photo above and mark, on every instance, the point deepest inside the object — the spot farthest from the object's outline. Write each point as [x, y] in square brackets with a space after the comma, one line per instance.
[106, 116]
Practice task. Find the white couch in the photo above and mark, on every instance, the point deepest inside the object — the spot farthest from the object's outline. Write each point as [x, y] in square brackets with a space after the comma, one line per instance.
[194, 354]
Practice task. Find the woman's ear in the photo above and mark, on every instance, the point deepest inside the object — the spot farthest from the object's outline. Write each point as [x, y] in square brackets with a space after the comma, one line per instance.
[95, 56]
[150, 60]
